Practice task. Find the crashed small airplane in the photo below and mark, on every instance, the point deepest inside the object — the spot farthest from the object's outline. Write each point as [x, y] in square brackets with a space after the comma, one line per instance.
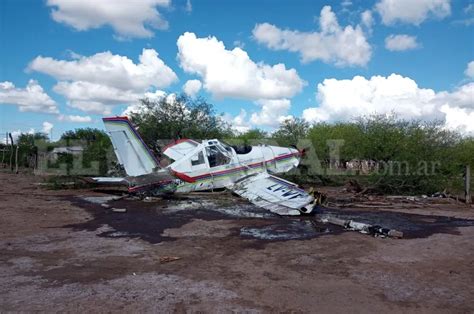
[208, 165]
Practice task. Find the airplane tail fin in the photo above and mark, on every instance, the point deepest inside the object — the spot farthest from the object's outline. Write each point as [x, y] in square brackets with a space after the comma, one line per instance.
[129, 147]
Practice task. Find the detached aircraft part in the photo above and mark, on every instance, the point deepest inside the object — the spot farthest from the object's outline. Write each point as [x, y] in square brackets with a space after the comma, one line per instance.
[277, 195]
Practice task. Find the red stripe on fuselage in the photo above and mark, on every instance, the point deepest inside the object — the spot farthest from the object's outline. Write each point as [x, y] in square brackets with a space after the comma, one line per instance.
[189, 179]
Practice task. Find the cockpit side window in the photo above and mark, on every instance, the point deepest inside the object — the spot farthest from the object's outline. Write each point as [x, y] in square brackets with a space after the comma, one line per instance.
[197, 159]
[227, 147]
[216, 157]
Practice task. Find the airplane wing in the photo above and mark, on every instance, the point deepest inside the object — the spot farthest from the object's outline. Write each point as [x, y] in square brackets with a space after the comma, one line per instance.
[162, 181]
[179, 148]
[107, 180]
[274, 194]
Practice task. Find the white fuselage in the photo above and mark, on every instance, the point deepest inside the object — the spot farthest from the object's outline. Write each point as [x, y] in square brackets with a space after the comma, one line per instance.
[212, 164]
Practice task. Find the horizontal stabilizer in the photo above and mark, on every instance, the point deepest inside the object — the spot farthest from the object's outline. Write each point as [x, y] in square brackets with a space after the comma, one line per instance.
[108, 180]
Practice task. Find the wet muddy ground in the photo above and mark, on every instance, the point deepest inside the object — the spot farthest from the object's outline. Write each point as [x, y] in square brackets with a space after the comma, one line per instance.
[66, 251]
[148, 220]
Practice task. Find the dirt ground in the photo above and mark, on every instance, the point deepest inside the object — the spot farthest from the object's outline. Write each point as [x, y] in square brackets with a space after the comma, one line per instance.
[64, 251]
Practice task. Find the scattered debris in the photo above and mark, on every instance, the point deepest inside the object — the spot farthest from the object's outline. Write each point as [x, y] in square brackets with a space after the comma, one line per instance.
[167, 259]
[353, 186]
[105, 205]
[149, 199]
[101, 199]
[119, 210]
[440, 194]
[362, 227]
[319, 197]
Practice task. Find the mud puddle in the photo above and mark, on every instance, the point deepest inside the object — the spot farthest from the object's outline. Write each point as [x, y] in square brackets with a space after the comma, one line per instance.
[149, 220]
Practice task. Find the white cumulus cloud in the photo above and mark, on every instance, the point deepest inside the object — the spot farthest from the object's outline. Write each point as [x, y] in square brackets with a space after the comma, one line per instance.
[74, 118]
[273, 111]
[342, 100]
[239, 122]
[94, 98]
[47, 127]
[469, 72]
[460, 119]
[343, 46]
[367, 19]
[462, 96]
[231, 73]
[95, 84]
[128, 19]
[108, 69]
[137, 107]
[31, 98]
[192, 87]
[412, 12]
[401, 42]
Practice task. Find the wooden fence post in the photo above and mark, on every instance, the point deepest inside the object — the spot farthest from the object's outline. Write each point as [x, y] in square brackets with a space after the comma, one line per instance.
[16, 159]
[4, 150]
[11, 151]
[467, 184]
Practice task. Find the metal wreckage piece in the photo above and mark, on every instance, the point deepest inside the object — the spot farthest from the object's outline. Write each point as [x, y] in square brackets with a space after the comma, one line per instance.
[373, 230]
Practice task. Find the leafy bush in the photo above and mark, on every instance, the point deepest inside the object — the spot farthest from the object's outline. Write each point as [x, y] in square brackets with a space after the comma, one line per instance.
[410, 156]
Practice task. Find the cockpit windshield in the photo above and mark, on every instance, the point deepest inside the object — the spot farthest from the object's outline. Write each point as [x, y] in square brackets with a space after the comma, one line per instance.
[217, 156]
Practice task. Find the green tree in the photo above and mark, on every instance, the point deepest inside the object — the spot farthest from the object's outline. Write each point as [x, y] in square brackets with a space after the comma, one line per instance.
[96, 144]
[163, 120]
[348, 136]
[28, 147]
[291, 131]
[249, 137]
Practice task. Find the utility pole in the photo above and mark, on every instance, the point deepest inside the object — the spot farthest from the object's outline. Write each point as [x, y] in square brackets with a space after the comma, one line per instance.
[467, 184]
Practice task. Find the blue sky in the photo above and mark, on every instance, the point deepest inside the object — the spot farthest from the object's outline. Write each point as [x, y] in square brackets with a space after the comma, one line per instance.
[413, 58]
